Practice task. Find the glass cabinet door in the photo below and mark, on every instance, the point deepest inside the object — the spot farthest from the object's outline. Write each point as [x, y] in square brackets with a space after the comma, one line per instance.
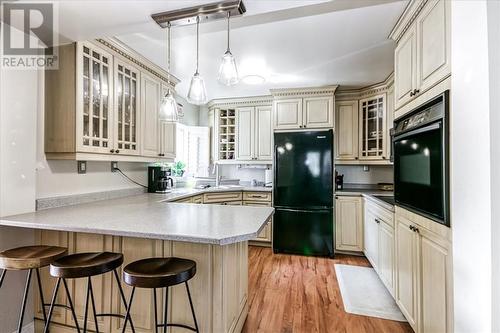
[96, 75]
[372, 127]
[127, 106]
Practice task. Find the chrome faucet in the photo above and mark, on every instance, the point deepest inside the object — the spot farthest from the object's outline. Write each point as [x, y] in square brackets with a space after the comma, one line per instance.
[217, 176]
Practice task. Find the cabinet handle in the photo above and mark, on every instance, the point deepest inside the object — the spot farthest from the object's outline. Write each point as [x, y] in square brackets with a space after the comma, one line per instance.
[117, 151]
[112, 151]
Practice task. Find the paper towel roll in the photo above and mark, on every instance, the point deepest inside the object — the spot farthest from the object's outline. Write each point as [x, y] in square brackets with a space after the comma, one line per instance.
[269, 177]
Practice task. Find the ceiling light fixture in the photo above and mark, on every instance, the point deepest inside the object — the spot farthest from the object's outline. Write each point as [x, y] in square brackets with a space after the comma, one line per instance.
[168, 108]
[197, 93]
[253, 79]
[228, 73]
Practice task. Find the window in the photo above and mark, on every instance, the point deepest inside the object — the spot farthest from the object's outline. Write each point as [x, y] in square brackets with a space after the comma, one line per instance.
[193, 149]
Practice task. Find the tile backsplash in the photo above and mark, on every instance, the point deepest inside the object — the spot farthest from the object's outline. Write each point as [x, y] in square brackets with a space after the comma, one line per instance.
[354, 174]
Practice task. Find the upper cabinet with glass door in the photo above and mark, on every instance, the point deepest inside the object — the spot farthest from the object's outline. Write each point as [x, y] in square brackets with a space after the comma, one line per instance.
[95, 108]
[94, 105]
[372, 128]
[127, 108]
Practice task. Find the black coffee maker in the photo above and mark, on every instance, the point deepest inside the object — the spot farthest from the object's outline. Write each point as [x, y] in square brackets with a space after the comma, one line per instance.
[159, 179]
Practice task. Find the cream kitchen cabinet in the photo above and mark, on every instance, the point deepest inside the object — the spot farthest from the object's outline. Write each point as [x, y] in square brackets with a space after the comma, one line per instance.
[349, 223]
[310, 112]
[423, 272]
[379, 241]
[422, 55]
[254, 134]
[168, 141]
[265, 236]
[373, 128]
[346, 138]
[102, 104]
[150, 108]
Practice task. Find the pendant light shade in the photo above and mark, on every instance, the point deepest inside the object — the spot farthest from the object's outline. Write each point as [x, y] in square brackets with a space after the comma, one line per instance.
[168, 107]
[197, 93]
[228, 73]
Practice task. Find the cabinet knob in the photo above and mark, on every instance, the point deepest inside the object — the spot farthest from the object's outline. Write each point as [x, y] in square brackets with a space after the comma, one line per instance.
[112, 151]
[412, 92]
[416, 91]
[416, 230]
[117, 151]
[412, 228]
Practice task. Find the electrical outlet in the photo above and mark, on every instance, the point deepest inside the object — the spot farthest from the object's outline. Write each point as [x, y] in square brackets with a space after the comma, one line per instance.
[82, 167]
[114, 166]
[366, 168]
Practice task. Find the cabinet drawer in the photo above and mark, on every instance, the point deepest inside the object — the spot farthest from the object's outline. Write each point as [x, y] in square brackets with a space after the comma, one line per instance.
[257, 203]
[257, 196]
[198, 199]
[185, 200]
[221, 197]
[380, 212]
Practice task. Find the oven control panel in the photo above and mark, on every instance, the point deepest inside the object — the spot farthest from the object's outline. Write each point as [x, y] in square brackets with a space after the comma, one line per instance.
[427, 114]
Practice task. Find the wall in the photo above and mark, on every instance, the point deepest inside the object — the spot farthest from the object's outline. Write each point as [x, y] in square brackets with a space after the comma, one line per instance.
[354, 174]
[18, 114]
[471, 204]
[191, 112]
[494, 72]
[243, 174]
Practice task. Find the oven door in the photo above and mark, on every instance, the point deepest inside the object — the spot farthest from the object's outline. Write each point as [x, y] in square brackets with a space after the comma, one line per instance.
[419, 171]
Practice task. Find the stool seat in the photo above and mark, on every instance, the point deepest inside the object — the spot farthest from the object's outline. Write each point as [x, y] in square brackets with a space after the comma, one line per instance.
[28, 257]
[85, 264]
[158, 272]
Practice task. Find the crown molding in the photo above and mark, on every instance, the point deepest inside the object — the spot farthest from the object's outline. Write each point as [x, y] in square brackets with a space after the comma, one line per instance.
[359, 93]
[304, 92]
[126, 52]
[239, 102]
[406, 19]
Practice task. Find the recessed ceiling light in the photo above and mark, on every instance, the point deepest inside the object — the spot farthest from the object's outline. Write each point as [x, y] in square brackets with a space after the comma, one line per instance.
[253, 79]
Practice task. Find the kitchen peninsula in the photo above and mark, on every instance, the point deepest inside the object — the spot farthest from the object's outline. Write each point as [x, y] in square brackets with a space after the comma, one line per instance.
[150, 225]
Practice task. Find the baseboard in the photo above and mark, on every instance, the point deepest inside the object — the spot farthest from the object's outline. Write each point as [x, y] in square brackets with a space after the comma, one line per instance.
[28, 328]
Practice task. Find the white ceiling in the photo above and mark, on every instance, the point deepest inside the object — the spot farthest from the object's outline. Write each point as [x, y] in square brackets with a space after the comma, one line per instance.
[293, 43]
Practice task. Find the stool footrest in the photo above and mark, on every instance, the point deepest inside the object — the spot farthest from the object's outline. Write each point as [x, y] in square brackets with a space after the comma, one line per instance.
[110, 315]
[178, 325]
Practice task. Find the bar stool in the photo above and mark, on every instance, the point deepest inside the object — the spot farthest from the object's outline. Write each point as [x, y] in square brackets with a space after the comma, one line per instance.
[153, 273]
[29, 258]
[86, 265]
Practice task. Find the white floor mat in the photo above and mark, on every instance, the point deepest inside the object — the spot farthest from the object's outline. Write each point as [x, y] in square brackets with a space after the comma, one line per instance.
[364, 293]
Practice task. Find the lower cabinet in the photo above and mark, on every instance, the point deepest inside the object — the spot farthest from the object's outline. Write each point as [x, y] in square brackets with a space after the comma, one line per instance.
[349, 223]
[379, 241]
[266, 233]
[424, 272]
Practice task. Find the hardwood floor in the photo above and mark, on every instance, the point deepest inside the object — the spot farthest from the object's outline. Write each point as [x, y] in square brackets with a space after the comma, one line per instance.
[301, 295]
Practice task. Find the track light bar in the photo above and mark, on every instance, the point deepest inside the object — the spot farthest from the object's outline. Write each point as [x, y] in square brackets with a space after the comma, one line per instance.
[209, 12]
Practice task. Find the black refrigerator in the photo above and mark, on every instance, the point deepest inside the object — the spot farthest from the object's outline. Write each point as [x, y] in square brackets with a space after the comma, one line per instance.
[303, 193]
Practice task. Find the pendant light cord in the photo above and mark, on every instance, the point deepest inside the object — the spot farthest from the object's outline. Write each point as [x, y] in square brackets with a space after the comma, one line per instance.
[197, 41]
[228, 16]
[168, 55]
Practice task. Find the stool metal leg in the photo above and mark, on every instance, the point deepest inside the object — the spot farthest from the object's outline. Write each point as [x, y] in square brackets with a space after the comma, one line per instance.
[2, 277]
[93, 305]
[52, 303]
[128, 310]
[156, 310]
[192, 308]
[122, 295]
[25, 298]
[86, 306]
[71, 305]
[40, 291]
[165, 313]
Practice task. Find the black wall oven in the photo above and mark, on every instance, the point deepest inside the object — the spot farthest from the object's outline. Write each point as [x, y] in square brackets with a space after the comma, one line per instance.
[421, 165]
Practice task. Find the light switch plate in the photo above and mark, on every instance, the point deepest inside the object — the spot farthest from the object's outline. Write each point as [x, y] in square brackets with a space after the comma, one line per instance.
[114, 166]
[82, 167]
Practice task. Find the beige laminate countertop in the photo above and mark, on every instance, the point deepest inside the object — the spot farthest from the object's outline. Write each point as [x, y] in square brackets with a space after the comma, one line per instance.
[153, 216]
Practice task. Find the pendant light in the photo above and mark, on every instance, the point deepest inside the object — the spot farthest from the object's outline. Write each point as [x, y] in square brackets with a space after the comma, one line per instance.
[197, 93]
[228, 73]
[168, 108]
